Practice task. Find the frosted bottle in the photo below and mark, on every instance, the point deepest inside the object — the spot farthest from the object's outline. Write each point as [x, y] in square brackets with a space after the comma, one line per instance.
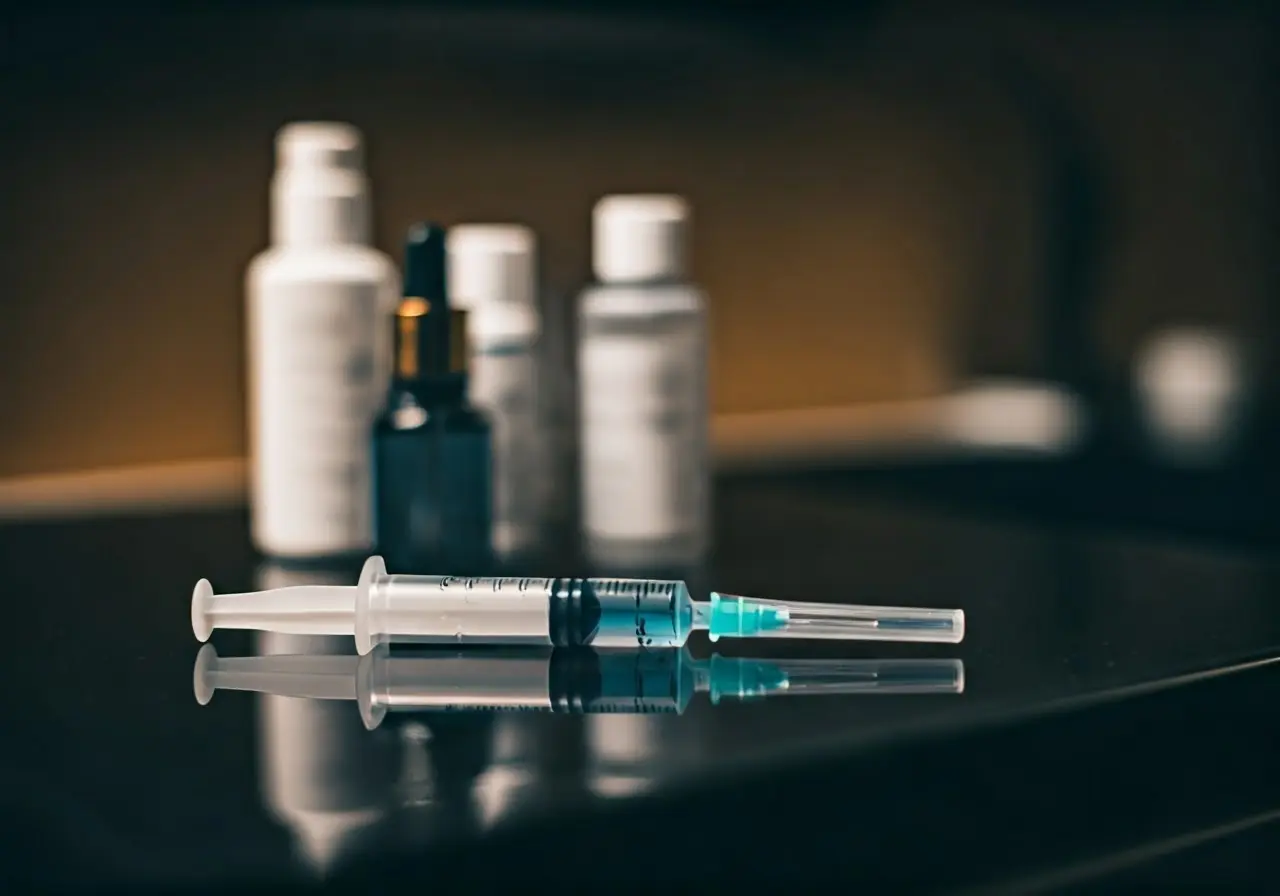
[319, 305]
[492, 273]
[642, 418]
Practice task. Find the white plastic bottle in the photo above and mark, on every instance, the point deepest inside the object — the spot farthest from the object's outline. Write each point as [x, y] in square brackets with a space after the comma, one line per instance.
[319, 305]
[642, 419]
[492, 273]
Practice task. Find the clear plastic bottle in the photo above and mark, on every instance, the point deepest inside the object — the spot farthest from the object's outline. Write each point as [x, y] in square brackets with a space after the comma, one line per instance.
[319, 304]
[642, 418]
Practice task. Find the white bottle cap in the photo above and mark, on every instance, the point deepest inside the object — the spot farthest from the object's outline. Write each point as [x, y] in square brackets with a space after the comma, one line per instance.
[319, 195]
[639, 238]
[319, 144]
[491, 263]
[499, 324]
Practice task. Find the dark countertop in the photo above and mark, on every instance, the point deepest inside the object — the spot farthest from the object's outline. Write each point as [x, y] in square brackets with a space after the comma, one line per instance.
[1116, 726]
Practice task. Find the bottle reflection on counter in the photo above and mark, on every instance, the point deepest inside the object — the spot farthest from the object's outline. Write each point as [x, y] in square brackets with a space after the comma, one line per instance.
[436, 785]
[322, 776]
[628, 753]
[538, 762]
[342, 791]
[432, 450]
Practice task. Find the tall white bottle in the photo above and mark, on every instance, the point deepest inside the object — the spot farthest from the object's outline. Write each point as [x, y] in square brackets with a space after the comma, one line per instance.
[493, 274]
[642, 348]
[319, 306]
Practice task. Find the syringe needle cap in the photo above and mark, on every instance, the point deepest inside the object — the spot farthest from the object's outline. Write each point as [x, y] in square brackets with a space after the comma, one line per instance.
[201, 597]
[749, 617]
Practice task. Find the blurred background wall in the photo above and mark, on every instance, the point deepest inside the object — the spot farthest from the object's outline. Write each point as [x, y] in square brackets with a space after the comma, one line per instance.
[889, 197]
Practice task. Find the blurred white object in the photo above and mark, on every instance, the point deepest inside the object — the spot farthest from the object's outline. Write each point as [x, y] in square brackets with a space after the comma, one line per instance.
[640, 239]
[492, 272]
[624, 753]
[1014, 415]
[492, 263]
[643, 425]
[322, 775]
[319, 304]
[1193, 388]
[512, 777]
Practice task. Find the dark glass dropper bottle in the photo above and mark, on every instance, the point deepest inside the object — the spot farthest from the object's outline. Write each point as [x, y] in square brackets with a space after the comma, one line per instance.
[432, 450]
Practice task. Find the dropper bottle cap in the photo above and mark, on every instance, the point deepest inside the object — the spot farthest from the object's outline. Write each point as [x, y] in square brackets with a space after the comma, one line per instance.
[430, 335]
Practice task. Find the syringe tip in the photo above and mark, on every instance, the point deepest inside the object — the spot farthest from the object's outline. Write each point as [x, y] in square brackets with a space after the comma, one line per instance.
[200, 683]
[201, 597]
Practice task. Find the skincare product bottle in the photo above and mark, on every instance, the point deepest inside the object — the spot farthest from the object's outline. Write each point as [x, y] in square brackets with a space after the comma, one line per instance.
[318, 303]
[492, 274]
[642, 418]
[433, 452]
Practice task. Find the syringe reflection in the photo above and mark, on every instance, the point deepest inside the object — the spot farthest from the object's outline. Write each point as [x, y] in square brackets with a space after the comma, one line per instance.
[565, 681]
[343, 790]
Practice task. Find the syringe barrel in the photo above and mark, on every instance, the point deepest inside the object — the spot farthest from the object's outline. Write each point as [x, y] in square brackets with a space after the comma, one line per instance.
[452, 609]
[510, 610]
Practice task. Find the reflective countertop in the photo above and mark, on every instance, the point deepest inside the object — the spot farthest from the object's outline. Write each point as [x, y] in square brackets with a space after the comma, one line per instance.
[1115, 722]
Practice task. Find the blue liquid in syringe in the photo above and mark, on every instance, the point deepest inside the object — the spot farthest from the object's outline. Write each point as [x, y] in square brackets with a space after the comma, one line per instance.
[640, 613]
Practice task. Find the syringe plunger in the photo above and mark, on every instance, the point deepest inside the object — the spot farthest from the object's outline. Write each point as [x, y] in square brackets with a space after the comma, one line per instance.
[295, 610]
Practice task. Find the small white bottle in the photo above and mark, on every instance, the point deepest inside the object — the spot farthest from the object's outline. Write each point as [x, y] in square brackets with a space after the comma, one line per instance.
[492, 273]
[319, 305]
[642, 357]
[1195, 394]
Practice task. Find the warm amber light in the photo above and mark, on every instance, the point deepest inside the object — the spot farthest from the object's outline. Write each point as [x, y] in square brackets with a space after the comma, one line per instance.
[413, 306]
[407, 356]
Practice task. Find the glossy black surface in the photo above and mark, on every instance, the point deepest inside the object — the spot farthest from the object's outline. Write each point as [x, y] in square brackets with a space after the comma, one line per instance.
[1117, 726]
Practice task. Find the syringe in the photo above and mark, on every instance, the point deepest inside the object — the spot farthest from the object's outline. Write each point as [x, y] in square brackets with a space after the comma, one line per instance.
[565, 680]
[549, 612]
